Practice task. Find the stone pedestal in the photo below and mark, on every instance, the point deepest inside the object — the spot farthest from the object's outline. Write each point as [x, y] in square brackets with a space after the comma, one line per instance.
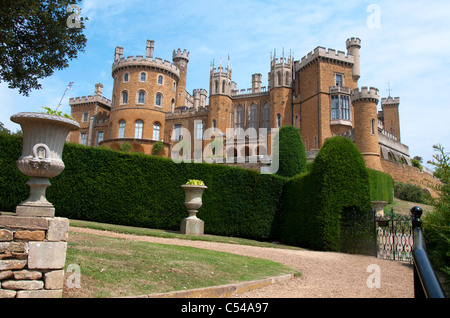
[192, 226]
[32, 256]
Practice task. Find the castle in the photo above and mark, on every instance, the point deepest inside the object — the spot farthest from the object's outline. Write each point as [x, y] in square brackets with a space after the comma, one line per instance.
[318, 94]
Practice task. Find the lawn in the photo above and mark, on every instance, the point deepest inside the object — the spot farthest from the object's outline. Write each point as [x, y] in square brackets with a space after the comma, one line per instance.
[112, 267]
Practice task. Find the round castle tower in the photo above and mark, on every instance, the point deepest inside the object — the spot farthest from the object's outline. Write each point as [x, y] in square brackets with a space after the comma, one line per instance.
[353, 47]
[280, 85]
[144, 89]
[365, 122]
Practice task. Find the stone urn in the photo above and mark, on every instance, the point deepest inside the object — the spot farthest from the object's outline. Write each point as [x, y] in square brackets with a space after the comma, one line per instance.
[192, 225]
[43, 142]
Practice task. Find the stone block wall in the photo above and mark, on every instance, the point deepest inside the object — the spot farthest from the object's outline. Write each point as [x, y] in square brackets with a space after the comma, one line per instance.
[32, 256]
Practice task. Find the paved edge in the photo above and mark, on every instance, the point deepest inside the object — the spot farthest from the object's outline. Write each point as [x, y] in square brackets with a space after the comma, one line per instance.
[221, 291]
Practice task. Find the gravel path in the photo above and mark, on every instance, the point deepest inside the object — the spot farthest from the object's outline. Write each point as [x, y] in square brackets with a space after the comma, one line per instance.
[324, 274]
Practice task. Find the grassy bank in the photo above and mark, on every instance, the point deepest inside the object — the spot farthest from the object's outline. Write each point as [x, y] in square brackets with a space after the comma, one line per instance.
[112, 267]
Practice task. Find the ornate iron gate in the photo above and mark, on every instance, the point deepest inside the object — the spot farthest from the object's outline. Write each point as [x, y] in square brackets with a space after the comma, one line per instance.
[394, 237]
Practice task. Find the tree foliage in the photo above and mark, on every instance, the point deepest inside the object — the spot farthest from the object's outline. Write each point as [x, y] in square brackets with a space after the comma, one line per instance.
[35, 40]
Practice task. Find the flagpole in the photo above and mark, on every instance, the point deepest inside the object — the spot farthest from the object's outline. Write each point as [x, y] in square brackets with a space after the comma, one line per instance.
[67, 88]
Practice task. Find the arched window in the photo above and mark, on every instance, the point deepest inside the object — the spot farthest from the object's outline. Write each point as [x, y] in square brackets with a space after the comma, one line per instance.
[126, 77]
[239, 117]
[253, 120]
[172, 105]
[280, 79]
[223, 86]
[266, 116]
[159, 99]
[141, 97]
[139, 126]
[287, 78]
[373, 126]
[174, 86]
[216, 84]
[143, 77]
[214, 125]
[160, 79]
[278, 120]
[121, 129]
[156, 130]
[124, 97]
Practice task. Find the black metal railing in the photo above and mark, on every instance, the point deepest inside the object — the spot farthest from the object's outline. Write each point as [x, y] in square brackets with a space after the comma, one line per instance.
[426, 284]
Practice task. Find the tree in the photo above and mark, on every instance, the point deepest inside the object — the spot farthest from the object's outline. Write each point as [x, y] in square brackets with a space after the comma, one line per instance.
[436, 225]
[36, 39]
[292, 155]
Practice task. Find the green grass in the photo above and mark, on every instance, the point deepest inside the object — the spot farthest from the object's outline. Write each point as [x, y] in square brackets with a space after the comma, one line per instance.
[403, 207]
[113, 267]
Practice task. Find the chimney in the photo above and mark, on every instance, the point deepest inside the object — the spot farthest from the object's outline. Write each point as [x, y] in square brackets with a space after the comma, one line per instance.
[150, 48]
[98, 89]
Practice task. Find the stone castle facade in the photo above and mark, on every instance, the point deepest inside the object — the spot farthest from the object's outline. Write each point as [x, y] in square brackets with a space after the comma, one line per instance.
[318, 94]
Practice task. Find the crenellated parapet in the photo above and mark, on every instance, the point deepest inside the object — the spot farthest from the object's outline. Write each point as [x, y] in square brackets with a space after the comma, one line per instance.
[141, 62]
[394, 101]
[321, 52]
[365, 94]
[178, 54]
[89, 99]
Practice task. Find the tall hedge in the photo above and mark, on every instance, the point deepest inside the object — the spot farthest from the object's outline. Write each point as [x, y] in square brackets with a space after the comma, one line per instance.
[317, 205]
[292, 154]
[139, 190]
[381, 186]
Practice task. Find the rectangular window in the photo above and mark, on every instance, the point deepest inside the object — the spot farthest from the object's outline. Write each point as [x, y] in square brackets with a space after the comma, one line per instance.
[99, 136]
[339, 80]
[199, 131]
[177, 129]
[85, 117]
[83, 139]
[334, 106]
[345, 107]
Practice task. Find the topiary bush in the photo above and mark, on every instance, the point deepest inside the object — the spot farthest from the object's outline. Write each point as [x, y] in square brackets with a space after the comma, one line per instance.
[292, 154]
[318, 205]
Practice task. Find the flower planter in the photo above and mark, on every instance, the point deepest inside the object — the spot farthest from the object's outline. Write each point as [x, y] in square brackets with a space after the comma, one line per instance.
[43, 142]
[192, 225]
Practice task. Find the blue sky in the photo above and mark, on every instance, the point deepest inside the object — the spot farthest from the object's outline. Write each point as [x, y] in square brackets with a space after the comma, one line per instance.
[405, 43]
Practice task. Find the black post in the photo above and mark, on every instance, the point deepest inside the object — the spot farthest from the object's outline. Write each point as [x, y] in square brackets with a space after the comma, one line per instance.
[426, 284]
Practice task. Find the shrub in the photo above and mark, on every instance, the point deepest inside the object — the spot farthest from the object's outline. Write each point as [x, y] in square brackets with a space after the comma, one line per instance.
[292, 155]
[158, 148]
[410, 192]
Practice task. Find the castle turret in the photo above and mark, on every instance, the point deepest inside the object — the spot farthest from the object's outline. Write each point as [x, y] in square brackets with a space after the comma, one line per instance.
[220, 87]
[353, 47]
[200, 96]
[181, 59]
[256, 83]
[281, 87]
[391, 117]
[365, 122]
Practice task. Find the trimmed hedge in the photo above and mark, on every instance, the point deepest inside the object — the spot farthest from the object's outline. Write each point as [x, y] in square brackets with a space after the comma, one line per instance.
[292, 154]
[102, 185]
[317, 205]
[381, 186]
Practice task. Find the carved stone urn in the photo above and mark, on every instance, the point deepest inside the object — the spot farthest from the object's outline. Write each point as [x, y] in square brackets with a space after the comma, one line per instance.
[43, 142]
[192, 225]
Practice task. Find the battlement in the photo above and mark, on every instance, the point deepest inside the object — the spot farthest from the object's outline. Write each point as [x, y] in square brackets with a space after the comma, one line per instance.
[140, 61]
[320, 51]
[182, 112]
[390, 101]
[200, 91]
[180, 55]
[89, 99]
[365, 94]
[353, 42]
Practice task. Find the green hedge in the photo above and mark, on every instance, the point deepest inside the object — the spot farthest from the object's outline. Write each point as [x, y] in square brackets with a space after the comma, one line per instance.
[381, 186]
[292, 154]
[135, 189]
[318, 205]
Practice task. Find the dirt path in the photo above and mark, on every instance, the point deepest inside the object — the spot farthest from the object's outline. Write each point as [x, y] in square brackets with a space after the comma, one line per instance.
[325, 274]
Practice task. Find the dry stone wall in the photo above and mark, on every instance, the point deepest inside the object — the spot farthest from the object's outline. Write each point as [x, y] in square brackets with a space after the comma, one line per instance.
[32, 256]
